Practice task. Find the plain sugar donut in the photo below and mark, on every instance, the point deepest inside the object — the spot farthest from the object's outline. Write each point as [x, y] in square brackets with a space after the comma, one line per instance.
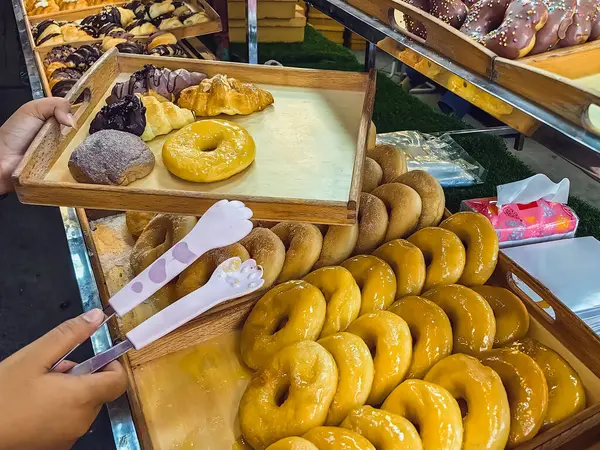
[391, 160]
[432, 196]
[372, 175]
[404, 207]
[372, 224]
[303, 243]
[136, 221]
[268, 251]
[338, 244]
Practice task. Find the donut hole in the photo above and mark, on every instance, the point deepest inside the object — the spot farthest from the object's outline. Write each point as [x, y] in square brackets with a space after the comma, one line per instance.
[209, 149]
[281, 324]
[428, 256]
[464, 408]
[282, 394]
[372, 346]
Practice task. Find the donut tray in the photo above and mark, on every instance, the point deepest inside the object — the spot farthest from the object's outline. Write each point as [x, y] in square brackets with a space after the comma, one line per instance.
[88, 10]
[310, 147]
[185, 388]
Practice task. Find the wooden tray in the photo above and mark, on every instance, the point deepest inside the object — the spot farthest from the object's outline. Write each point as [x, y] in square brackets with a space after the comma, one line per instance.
[87, 10]
[185, 388]
[310, 147]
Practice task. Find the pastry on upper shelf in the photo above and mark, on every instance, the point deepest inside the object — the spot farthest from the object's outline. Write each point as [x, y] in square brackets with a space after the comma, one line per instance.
[223, 95]
[163, 43]
[138, 8]
[110, 14]
[154, 10]
[83, 57]
[141, 27]
[36, 7]
[194, 18]
[68, 5]
[173, 50]
[160, 38]
[180, 9]
[167, 22]
[72, 32]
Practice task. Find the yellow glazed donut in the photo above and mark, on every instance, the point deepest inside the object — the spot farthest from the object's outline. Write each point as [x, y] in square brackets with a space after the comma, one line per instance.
[512, 318]
[404, 209]
[355, 372]
[391, 160]
[289, 396]
[565, 390]
[161, 233]
[332, 438]
[385, 430]
[267, 250]
[342, 296]
[527, 391]
[208, 150]
[472, 319]
[408, 264]
[201, 270]
[376, 281]
[303, 243]
[372, 175]
[481, 243]
[338, 243]
[136, 221]
[432, 410]
[487, 423]
[388, 338]
[432, 196]
[372, 223]
[292, 443]
[430, 329]
[288, 313]
[444, 255]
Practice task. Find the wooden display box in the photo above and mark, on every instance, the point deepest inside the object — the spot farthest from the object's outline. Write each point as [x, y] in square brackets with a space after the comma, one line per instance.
[310, 147]
[87, 10]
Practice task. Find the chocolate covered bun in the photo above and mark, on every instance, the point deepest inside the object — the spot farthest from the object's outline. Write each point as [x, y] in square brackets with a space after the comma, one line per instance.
[161, 38]
[84, 57]
[180, 9]
[62, 87]
[167, 22]
[168, 50]
[141, 27]
[138, 8]
[199, 17]
[130, 47]
[127, 114]
[59, 53]
[53, 38]
[44, 28]
[154, 10]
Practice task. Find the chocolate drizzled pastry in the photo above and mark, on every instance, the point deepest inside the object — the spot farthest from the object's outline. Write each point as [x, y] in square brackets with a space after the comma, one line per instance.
[62, 80]
[141, 26]
[138, 8]
[130, 47]
[84, 57]
[44, 28]
[126, 114]
[167, 21]
[154, 10]
[173, 50]
[59, 53]
[62, 87]
[47, 38]
[180, 9]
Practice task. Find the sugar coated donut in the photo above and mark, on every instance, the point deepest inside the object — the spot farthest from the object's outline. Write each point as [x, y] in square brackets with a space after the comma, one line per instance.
[388, 338]
[408, 264]
[432, 196]
[512, 318]
[338, 243]
[136, 221]
[527, 391]
[391, 160]
[404, 209]
[288, 313]
[385, 430]
[481, 243]
[342, 296]
[292, 443]
[372, 175]
[565, 390]
[355, 372]
[161, 233]
[372, 223]
[208, 150]
[487, 423]
[201, 270]
[444, 255]
[432, 410]
[267, 250]
[472, 319]
[376, 281]
[289, 396]
[303, 243]
[332, 438]
[430, 329]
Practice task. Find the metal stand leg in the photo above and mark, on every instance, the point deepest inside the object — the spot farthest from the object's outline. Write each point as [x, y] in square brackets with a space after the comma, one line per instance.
[252, 34]
[519, 142]
[370, 54]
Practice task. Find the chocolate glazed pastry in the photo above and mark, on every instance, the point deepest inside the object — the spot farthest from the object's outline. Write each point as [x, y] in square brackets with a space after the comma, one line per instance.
[138, 8]
[595, 34]
[59, 53]
[484, 16]
[46, 39]
[61, 88]
[560, 17]
[580, 30]
[62, 80]
[413, 26]
[45, 28]
[130, 47]
[173, 50]
[127, 114]
[453, 12]
[83, 57]
[180, 9]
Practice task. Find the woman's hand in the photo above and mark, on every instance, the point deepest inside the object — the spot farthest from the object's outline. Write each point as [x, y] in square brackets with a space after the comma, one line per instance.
[19, 130]
[51, 410]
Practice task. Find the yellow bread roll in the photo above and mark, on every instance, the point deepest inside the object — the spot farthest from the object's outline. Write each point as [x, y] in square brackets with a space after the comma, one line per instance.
[391, 160]
[404, 209]
[527, 391]
[268, 251]
[388, 338]
[303, 243]
[372, 175]
[512, 318]
[408, 264]
[430, 329]
[472, 319]
[487, 423]
[372, 224]
[376, 281]
[385, 430]
[332, 438]
[432, 196]
[338, 244]
[481, 243]
[433, 411]
[566, 395]
[136, 221]
[288, 313]
[444, 255]
[292, 443]
[355, 372]
[342, 296]
[289, 396]
[200, 271]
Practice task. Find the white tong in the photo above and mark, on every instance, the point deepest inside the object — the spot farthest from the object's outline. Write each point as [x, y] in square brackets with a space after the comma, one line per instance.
[225, 223]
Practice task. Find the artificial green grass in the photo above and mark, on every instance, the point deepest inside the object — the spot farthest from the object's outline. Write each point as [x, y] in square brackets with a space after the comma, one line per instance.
[396, 110]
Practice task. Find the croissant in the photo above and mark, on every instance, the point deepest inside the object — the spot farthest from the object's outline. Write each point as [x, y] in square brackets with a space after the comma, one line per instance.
[162, 117]
[223, 95]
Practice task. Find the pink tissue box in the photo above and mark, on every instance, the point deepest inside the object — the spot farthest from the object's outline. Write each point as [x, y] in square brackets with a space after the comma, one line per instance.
[518, 224]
